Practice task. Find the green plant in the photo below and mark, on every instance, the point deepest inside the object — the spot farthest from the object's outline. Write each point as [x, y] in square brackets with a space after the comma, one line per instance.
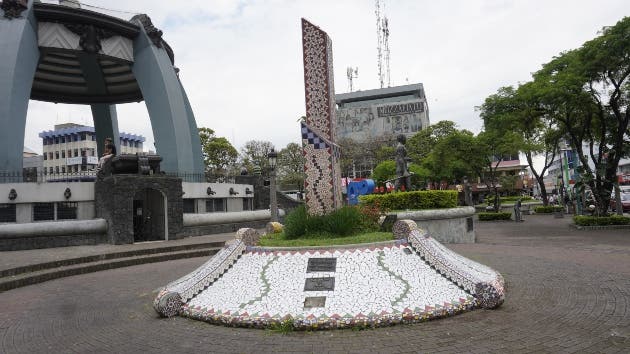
[371, 213]
[417, 200]
[583, 220]
[341, 222]
[494, 216]
[548, 209]
[295, 223]
[285, 326]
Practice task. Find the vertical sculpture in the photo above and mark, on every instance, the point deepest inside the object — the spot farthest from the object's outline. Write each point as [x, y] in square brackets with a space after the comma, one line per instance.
[323, 175]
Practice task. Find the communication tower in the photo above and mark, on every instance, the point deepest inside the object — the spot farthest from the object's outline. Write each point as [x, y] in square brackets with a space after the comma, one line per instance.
[382, 35]
[352, 74]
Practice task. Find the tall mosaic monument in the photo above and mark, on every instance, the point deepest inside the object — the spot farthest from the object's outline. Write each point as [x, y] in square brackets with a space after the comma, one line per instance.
[323, 173]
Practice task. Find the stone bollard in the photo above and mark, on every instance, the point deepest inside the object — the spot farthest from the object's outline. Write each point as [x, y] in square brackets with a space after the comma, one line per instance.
[248, 235]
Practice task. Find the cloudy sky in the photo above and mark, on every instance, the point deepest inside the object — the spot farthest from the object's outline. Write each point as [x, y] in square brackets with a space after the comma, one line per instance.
[241, 61]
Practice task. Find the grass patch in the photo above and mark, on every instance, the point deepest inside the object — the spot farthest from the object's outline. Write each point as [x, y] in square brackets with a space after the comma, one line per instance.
[279, 240]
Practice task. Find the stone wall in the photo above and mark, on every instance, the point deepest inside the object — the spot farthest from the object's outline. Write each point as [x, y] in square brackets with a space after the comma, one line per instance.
[454, 225]
[114, 196]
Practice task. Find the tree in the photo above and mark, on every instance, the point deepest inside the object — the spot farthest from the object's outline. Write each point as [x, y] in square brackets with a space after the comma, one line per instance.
[451, 159]
[422, 143]
[254, 153]
[489, 149]
[589, 88]
[291, 166]
[524, 111]
[218, 153]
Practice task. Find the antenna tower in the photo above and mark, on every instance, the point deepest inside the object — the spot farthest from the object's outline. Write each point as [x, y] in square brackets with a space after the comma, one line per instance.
[352, 74]
[382, 35]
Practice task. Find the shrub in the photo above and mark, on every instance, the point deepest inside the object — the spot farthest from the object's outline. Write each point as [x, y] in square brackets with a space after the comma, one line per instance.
[583, 220]
[295, 223]
[412, 200]
[494, 216]
[547, 209]
[371, 214]
[342, 222]
[508, 200]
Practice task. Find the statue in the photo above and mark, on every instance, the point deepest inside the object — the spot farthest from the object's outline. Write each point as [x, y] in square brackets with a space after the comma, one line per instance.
[402, 172]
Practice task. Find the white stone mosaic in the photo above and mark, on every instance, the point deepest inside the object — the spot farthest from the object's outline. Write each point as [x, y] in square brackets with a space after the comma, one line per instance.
[368, 282]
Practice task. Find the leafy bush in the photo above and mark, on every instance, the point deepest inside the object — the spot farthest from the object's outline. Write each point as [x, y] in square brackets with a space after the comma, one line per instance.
[508, 200]
[584, 220]
[494, 216]
[295, 223]
[342, 222]
[547, 209]
[371, 214]
[412, 200]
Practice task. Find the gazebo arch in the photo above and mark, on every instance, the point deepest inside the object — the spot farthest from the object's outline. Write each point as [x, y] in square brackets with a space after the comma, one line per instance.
[61, 54]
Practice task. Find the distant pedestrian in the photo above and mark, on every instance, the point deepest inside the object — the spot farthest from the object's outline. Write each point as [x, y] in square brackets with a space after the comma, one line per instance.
[517, 211]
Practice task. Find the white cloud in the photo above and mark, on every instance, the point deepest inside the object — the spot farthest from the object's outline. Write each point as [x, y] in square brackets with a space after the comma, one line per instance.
[241, 61]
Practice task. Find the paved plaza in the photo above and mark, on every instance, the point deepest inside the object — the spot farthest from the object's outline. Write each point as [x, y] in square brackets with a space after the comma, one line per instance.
[567, 291]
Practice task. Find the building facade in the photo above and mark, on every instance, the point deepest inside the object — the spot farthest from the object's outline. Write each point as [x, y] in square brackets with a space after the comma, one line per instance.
[71, 148]
[381, 114]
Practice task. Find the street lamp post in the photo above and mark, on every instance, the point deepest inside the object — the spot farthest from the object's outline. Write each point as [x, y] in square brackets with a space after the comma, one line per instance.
[273, 201]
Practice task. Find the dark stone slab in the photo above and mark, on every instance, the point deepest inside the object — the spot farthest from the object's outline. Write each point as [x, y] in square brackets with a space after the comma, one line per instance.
[388, 223]
[314, 301]
[469, 224]
[319, 284]
[321, 265]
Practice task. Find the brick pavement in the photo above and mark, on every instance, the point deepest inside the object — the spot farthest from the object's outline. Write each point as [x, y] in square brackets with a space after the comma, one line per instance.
[568, 291]
[13, 259]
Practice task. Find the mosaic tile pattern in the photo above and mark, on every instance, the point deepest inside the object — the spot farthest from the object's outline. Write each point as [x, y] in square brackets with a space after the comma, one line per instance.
[373, 286]
[188, 286]
[404, 281]
[323, 173]
[249, 236]
[486, 284]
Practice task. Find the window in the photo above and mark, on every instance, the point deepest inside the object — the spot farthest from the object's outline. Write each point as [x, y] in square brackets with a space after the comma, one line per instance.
[189, 206]
[247, 204]
[67, 210]
[43, 211]
[93, 137]
[50, 155]
[63, 139]
[45, 155]
[51, 170]
[83, 136]
[63, 169]
[63, 154]
[76, 152]
[56, 169]
[7, 213]
[57, 155]
[56, 140]
[215, 205]
[69, 154]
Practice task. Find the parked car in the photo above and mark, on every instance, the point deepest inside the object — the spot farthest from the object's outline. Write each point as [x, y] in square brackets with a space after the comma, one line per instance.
[625, 202]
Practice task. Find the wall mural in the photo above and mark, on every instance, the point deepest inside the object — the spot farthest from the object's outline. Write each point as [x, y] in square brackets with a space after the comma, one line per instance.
[361, 123]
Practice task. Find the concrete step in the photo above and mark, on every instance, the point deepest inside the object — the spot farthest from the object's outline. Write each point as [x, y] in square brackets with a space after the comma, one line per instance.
[157, 249]
[99, 264]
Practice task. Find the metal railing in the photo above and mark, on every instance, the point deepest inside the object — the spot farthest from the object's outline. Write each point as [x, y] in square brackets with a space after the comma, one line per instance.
[90, 176]
[41, 177]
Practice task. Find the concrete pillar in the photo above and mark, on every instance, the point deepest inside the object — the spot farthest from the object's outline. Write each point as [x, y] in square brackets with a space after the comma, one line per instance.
[167, 105]
[105, 126]
[19, 56]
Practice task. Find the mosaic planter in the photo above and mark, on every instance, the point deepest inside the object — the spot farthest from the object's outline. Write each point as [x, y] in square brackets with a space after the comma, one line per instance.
[412, 279]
